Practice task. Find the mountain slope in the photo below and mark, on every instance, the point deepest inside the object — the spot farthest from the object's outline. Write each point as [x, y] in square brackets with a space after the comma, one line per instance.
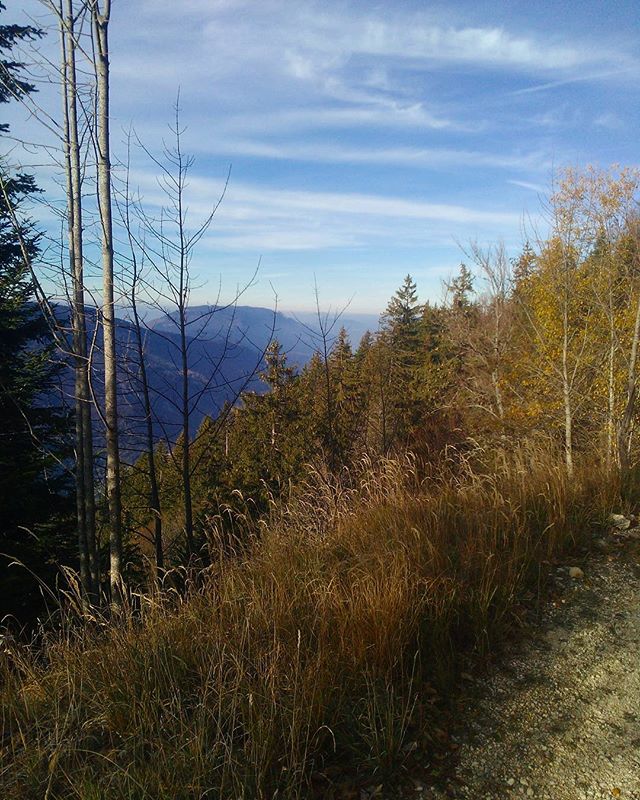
[226, 346]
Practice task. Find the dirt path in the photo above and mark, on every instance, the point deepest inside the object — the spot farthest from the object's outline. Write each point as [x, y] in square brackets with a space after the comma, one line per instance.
[560, 719]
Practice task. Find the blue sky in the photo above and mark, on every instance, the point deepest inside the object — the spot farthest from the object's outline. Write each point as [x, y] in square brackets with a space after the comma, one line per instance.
[368, 140]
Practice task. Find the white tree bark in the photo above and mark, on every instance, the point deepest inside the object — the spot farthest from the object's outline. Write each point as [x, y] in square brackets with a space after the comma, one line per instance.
[84, 432]
[101, 32]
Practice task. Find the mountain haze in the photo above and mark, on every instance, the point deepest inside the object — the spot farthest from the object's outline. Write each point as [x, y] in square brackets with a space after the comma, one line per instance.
[226, 346]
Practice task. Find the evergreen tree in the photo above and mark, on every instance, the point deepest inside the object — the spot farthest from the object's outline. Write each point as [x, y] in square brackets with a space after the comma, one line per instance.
[365, 381]
[13, 85]
[34, 485]
[209, 466]
[461, 288]
[271, 435]
[435, 367]
[348, 400]
[403, 313]
[402, 336]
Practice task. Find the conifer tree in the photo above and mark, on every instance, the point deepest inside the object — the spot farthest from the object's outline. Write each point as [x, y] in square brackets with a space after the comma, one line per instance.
[461, 288]
[13, 85]
[271, 432]
[34, 444]
[402, 337]
[348, 399]
[402, 316]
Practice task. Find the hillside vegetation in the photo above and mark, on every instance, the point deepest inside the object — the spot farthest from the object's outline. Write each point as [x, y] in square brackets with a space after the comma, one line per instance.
[264, 580]
[306, 661]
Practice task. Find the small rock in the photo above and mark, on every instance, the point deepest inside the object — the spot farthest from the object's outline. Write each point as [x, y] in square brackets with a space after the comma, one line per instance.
[511, 782]
[576, 573]
[620, 522]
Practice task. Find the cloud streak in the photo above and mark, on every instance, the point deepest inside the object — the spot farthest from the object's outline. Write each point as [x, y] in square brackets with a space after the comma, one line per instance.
[254, 217]
[425, 158]
[588, 78]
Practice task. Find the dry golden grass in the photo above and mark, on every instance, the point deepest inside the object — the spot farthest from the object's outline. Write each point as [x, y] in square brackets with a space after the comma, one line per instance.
[313, 647]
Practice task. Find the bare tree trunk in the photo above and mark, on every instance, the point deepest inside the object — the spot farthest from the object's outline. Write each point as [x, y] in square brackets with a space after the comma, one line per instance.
[76, 317]
[495, 381]
[101, 28]
[170, 257]
[383, 416]
[186, 418]
[611, 438]
[183, 295]
[497, 362]
[333, 461]
[84, 434]
[566, 394]
[154, 493]
[624, 429]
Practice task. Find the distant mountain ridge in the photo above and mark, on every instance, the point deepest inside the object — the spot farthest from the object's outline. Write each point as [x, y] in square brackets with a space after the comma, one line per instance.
[226, 346]
[254, 327]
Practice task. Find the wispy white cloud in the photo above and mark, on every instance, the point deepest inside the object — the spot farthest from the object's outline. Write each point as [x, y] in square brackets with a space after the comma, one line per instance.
[368, 205]
[417, 157]
[253, 217]
[342, 50]
[418, 38]
[393, 114]
[609, 121]
[589, 77]
[533, 187]
[347, 67]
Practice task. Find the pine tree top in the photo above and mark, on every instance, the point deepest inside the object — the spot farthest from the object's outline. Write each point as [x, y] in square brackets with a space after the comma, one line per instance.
[404, 308]
[461, 288]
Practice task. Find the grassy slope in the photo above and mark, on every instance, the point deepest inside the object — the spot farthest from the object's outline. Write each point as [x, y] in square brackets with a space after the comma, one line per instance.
[317, 648]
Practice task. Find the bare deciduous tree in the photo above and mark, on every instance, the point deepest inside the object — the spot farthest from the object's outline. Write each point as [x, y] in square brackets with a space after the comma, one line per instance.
[100, 19]
[84, 433]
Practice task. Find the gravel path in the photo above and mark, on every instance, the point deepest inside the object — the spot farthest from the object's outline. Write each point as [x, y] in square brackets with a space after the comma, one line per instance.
[560, 718]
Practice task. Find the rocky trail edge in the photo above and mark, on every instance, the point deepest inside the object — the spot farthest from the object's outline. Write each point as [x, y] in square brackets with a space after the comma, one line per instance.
[559, 717]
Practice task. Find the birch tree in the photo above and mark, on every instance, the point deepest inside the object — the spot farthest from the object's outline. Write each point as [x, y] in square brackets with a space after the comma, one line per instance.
[66, 131]
[100, 15]
[85, 490]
